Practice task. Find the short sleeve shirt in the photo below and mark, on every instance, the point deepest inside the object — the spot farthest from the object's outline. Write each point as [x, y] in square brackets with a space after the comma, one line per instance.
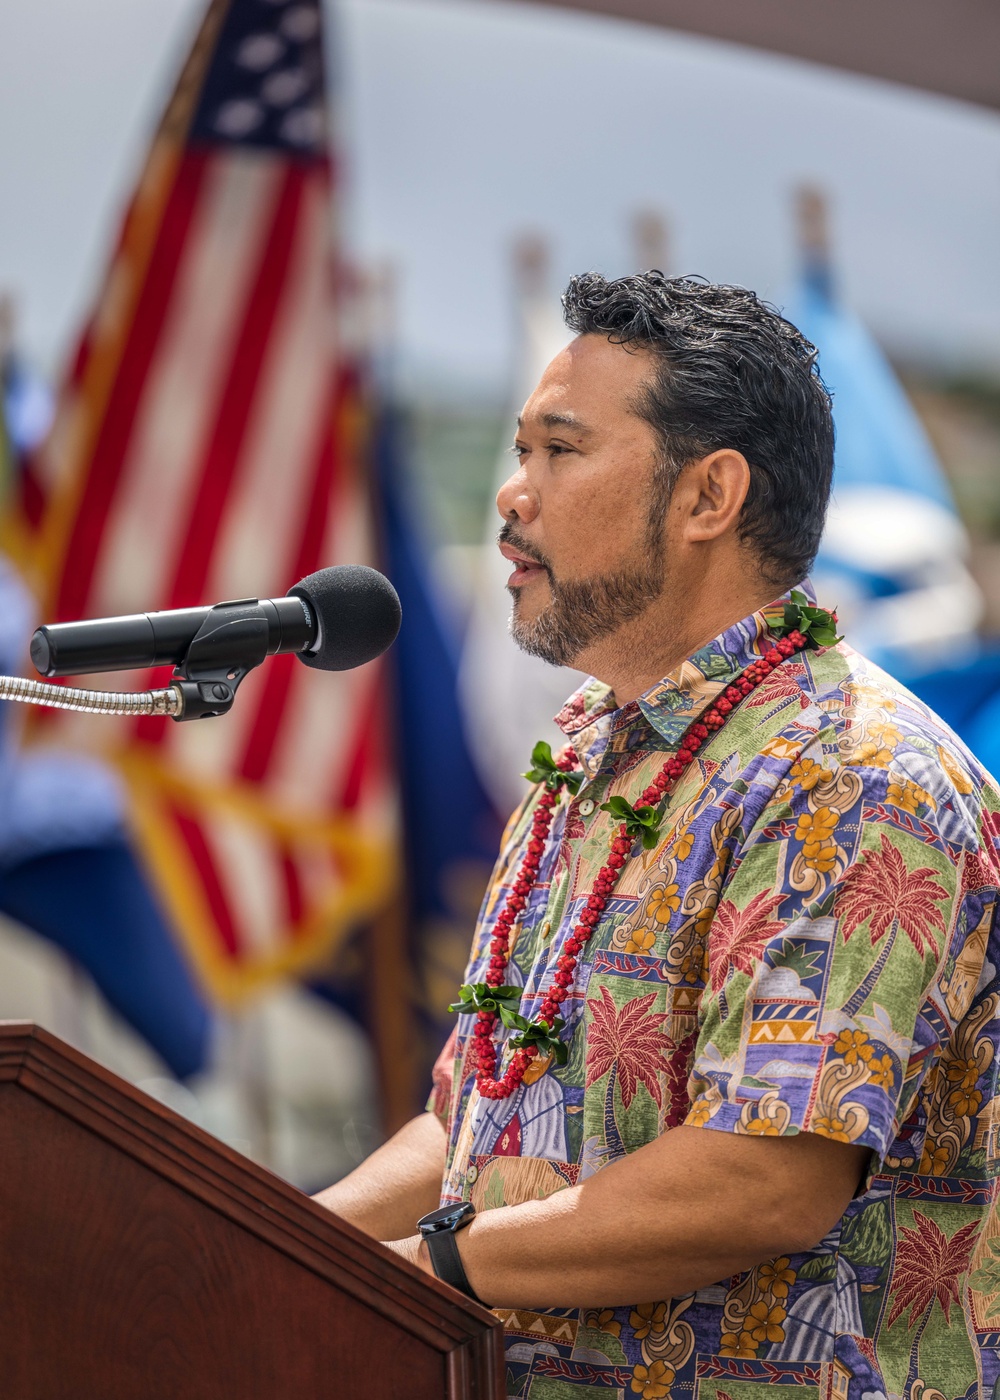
[810, 948]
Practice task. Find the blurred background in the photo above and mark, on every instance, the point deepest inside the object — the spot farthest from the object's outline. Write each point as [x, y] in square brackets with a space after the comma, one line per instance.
[276, 277]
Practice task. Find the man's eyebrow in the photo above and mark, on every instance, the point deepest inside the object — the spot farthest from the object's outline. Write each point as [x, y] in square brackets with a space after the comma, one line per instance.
[560, 420]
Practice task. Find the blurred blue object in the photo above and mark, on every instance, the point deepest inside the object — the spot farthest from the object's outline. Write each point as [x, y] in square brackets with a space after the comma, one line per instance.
[28, 405]
[892, 560]
[96, 904]
[880, 439]
[451, 827]
[967, 696]
[68, 871]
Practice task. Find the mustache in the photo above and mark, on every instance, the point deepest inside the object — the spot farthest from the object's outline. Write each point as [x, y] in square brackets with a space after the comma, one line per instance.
[510, 535]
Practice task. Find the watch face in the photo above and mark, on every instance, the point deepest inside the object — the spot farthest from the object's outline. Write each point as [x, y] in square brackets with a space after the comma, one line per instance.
[446, 1218]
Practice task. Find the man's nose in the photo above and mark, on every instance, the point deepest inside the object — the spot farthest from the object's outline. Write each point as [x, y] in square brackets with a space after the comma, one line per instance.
[517, 499]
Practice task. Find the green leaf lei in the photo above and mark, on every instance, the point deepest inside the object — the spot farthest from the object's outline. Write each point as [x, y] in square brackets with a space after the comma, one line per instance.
[480, 996]
[504, 1001]
[641, 823]
[545, 770]
[817, 625]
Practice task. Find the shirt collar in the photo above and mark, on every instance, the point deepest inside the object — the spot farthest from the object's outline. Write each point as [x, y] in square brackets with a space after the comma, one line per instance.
[600, 730]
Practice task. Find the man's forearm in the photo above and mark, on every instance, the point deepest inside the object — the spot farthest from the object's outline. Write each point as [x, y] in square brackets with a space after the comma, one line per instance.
[692, 1208]
[388, 1193]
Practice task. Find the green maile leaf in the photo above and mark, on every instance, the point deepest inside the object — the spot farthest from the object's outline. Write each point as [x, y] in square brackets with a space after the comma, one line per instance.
[545, 1038]
[544, 769]
[541, 755]
[480, 996]
[513, 1020]
[816, 624]
[641, 823]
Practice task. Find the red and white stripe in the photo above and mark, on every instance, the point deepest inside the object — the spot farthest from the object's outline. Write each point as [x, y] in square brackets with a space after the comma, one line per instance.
[220, 462]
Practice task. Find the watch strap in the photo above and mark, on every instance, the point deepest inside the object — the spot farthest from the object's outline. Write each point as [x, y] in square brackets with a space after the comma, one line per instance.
[447, 1262]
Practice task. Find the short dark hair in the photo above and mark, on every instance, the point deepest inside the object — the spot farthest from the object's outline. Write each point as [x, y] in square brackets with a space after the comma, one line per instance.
[733, 373]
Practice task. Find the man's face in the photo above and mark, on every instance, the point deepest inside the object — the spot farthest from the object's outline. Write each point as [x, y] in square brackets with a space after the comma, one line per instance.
[584, 511]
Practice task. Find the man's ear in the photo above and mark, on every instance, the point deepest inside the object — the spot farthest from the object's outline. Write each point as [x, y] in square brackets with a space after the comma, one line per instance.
[715, 488]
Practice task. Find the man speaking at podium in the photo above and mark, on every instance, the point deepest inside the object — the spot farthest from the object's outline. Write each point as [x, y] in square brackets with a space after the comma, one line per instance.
[720, 1111]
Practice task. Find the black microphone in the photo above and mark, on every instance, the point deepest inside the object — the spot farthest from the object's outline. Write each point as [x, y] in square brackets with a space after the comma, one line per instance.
[335, 619]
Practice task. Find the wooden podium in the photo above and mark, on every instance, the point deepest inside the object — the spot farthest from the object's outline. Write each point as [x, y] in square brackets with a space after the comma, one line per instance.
[141, 1259]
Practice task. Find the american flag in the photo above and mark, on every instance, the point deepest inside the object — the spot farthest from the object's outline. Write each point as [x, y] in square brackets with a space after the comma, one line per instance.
[212, 442]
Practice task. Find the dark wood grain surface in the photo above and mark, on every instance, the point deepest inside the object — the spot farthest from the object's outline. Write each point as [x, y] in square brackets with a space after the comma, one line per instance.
[142, 1258]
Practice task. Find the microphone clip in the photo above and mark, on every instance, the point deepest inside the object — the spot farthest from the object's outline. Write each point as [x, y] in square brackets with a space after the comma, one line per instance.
[230, 643]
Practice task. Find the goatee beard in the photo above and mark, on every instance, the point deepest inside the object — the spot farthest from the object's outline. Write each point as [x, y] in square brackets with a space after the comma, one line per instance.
[583, 612]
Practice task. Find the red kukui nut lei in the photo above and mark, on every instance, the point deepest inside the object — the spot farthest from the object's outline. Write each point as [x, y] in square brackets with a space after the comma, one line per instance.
[621, 845]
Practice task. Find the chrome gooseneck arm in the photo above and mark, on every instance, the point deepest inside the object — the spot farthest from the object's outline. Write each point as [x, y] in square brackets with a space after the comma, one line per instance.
[98, 702]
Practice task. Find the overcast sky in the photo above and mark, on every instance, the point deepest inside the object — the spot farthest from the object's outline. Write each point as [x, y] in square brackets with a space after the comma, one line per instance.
[468, 121]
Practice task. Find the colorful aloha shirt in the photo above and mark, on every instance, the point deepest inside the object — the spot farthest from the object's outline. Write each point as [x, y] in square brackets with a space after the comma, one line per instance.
[811, 948]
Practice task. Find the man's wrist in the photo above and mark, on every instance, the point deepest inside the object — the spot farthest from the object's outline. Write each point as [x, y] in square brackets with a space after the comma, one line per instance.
[440, 1231]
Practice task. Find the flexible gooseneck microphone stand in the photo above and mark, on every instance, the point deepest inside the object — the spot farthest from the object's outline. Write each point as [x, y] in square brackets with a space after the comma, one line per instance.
[96, 702]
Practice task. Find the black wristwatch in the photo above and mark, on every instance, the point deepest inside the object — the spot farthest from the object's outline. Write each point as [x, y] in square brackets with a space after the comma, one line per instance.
[439, 1230]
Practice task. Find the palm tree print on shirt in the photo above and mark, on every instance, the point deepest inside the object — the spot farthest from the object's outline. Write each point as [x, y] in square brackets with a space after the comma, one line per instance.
[883, 893]
[629, 1046]
[928, 1266]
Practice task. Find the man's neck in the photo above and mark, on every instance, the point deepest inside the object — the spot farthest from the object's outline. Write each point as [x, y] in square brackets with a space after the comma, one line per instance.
[674, 627]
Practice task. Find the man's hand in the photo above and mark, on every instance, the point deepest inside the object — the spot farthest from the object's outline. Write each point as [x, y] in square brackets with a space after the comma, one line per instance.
[396, 1185]
[685, 1211]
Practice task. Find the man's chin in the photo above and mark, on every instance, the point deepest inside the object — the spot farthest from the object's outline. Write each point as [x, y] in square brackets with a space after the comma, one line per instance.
[529, 600]
[534, 636]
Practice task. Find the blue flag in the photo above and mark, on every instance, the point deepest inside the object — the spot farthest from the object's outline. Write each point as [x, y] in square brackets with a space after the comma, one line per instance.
[451, 827]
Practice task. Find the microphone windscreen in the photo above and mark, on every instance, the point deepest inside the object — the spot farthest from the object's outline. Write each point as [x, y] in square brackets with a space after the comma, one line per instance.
[358, 614]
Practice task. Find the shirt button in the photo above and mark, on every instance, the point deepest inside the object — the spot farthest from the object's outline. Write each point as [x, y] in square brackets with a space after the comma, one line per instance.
[587, 806]
[472, 1174]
